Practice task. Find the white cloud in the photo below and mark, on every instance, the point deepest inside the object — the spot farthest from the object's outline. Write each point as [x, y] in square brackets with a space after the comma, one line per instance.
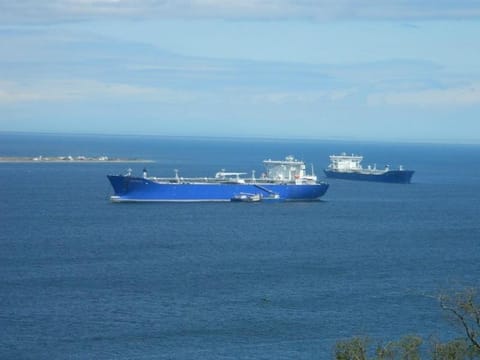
[301, 96]
[77, 90]
[11, 92]
[91, 90]
[35, 11]
[461, 96]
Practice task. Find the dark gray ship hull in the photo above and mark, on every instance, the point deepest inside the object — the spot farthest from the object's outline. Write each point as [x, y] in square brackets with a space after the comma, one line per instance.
[390, 176]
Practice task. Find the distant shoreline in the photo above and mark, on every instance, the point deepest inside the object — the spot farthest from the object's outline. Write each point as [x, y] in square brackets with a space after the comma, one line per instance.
[68, 159]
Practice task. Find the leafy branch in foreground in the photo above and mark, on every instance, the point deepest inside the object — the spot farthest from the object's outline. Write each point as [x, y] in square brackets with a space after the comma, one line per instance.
[464, 309]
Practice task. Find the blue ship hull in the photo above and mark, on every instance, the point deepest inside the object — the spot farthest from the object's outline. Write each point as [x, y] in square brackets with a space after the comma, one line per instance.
[391, 176]
[137, 189]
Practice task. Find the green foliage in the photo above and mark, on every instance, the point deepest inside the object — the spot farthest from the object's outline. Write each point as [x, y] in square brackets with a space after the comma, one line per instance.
[386, 352]
[353, 349]
[453, 350]
[464, 308]
[408, 348]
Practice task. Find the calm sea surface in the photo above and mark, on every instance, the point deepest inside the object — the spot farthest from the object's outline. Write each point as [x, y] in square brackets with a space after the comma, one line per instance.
[83, 278]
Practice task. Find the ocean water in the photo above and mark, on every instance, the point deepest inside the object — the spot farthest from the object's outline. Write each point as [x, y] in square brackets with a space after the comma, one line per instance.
[83, 278]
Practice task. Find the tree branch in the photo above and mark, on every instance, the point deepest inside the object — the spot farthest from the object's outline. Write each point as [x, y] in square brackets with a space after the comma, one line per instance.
[468, 330]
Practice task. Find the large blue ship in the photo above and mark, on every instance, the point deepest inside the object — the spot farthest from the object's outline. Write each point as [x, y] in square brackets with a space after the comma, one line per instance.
[349, 167]
[283, 180]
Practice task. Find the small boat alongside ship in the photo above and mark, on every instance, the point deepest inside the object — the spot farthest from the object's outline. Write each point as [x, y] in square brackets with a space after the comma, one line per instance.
[283, 180]
[254, 197]
[246, 198]
[349, 167]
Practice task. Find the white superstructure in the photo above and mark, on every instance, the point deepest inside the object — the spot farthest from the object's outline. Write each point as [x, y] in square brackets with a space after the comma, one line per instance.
[345, 162]
[288, 170]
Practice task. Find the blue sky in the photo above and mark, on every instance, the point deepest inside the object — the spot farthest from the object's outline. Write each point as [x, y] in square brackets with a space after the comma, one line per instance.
[369, 70]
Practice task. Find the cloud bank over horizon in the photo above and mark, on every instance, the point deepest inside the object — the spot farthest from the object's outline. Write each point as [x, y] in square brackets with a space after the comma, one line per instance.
[250, 68]
[33, 11]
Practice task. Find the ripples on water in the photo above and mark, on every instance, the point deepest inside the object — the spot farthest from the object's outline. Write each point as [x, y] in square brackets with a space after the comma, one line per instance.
[84, 278]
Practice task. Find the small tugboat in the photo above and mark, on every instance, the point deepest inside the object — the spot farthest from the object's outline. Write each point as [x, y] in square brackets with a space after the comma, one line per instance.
[243, 197]
[349, 167]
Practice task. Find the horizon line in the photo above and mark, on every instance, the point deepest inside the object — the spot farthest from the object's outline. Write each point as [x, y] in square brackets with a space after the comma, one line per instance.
[252, 137]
